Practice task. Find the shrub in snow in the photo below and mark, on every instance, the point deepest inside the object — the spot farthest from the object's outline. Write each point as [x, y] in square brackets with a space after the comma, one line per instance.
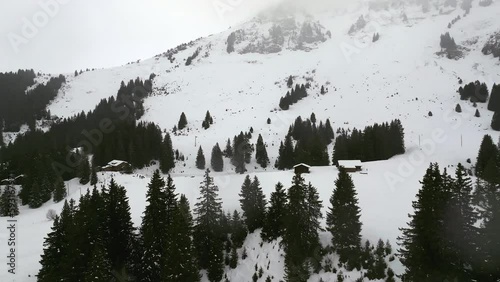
[51, 214]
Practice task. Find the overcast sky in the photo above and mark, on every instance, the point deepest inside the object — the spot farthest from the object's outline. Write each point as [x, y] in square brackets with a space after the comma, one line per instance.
[76, 34]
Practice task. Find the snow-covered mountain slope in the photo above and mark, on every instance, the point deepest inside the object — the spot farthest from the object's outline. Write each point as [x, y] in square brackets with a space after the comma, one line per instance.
[367, 81]
[398, 76]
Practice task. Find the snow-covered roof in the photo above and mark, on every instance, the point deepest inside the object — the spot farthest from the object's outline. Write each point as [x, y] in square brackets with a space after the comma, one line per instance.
[116, 163]
[350, 163]
[301, 164]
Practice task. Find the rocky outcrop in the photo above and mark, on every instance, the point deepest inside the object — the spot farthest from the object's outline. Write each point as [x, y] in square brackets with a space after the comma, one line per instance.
[283, 34]
[492, 46]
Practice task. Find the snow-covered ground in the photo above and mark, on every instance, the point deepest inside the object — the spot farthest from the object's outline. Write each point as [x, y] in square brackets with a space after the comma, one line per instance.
[399, 76]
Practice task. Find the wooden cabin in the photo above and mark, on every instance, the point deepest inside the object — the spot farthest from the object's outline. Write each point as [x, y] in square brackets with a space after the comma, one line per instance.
[301, 168]
[350, 165]
[117, 166]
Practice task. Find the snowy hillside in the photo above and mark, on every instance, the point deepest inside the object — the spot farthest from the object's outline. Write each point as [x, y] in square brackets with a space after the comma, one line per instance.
[385, 77]
[398, 76]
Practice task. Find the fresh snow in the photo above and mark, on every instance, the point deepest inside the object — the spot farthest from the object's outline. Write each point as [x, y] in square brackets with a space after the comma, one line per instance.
[399, 76]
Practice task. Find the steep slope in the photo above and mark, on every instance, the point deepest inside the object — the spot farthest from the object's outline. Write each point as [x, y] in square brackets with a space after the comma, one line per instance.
[367, 81]
[398, 76]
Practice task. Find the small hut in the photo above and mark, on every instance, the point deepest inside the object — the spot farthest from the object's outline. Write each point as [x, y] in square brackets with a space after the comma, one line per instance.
[117, 166]
[301, 168]
[350, 165]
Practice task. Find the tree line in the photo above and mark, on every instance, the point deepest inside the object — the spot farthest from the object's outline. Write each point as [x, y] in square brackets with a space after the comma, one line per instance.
[22, 106]
[377, 142]
[293, 96]
[96, 238]
[108, 132]
[311, 141]
[453, 233]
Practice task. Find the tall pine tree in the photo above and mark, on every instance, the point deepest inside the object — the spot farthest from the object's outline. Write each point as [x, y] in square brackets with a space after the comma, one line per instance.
[301, 239]
[217, 161]
[274, 224]
[207, 229]
[200, 159]
[182, 122]
[119, 230]
[343, 220]
[423, 243]
[261, 152]
[253, 203]
[153, 230]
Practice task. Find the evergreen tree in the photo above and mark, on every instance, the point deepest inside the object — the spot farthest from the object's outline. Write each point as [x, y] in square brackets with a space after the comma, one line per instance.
[343, 220]
[200, 159]
[182, 122]
[495, 121]
[230, 42]
[84, 170]
[477, 114]
[35, 196]
[494, 103]
[60, 190]
[217, 161]
[274, 224]
[8, 201]
[119, 230]
[290, 81]
[46, 189]
[167, 158]
[460, 231]
[313, 118]
[447, 42]
[286, 159]
[178, 260]
[487, 151]
[99, 266]
[207, 237]
[238, 230]
[458, 109]
[242, 152]
[423, 243]
[301, 239]
[228, 152]
[56, 247]
[233, 263]
[489, 246]
[268, 121]
[261, 153]
[93, 177]
[209, 119]
[253, 203]
[153, 230]
[187, 268]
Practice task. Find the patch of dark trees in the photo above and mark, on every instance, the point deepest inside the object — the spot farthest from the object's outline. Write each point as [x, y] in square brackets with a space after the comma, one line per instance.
[306, 142]
[374, 143]
[19, 106]
[476, 92]
[293, 96]
[109, 132]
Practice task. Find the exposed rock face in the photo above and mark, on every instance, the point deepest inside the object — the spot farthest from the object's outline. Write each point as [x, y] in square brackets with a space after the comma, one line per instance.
[283, 34]
[492, 46]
